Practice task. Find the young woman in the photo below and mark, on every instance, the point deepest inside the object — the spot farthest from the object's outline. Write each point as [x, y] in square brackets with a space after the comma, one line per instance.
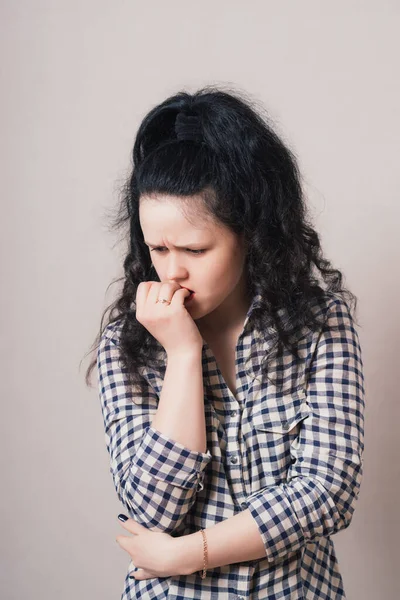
[230, 370]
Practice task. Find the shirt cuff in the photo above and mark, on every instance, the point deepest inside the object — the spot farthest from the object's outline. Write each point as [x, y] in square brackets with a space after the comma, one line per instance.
[170, 461]
[277, 522]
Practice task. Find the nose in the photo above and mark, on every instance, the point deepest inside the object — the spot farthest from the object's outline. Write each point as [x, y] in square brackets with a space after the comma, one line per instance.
[176, 272]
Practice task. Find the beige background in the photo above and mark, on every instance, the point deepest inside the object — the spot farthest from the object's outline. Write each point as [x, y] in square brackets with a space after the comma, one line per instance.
[77, 78]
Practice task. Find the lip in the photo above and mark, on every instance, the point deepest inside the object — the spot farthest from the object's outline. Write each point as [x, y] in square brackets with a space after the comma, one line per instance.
[191, 295]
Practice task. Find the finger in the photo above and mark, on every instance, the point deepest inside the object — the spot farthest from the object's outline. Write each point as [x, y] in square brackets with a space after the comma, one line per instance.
[141, 294]
[141, 574]
[154, 292]
[179, 297]
[167, 290]
[131, 525]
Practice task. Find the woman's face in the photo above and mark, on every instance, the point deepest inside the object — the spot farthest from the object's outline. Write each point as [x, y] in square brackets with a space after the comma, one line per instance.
[174, 244]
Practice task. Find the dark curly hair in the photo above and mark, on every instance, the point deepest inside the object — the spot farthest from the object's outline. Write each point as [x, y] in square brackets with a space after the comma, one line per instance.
[250, 181]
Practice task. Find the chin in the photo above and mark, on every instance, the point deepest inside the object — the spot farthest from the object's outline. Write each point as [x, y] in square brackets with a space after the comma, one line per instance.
[199, 312]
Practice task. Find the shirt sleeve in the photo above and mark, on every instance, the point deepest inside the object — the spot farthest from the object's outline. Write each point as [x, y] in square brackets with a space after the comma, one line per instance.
[319, 494]
[155, 477]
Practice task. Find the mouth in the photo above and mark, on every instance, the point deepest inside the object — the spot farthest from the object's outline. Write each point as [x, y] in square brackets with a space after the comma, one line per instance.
[188, 298]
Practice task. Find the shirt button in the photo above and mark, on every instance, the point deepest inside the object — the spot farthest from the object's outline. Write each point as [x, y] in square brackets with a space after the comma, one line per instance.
[234, 459]
[233, 413]
[244, 505]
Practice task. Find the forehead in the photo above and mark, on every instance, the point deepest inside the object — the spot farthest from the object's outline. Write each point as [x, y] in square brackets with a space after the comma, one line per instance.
[163, 211]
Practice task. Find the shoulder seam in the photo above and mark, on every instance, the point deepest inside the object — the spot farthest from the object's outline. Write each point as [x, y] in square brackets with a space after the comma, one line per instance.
[112, 331]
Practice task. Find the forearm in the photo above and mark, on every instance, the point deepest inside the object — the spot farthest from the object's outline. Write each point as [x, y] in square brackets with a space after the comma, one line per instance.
[280, 520]
[233, 540]
[180, 414]
[156, 480]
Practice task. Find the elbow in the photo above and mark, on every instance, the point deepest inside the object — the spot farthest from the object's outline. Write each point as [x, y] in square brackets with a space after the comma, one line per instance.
[338, 507]
[154, 508]
[341, 491]
[154, 521]
[323, 506]
[346, 509]
[344, 519]
[346, 499]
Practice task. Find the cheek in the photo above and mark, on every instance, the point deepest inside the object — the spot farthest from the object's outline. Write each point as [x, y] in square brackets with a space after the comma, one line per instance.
[219, 276]
[214, 272]
[227, 265]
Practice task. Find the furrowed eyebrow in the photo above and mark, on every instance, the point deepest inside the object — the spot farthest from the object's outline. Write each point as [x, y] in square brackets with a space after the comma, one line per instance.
[158, 245]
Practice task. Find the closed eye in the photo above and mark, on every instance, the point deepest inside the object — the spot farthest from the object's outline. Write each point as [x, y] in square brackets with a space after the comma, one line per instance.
[188, 249]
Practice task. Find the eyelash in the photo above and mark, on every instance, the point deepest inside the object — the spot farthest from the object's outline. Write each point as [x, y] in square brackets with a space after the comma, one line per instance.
[188, 249]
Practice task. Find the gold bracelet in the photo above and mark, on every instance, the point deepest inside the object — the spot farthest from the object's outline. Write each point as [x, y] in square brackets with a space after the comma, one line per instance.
[205, 553]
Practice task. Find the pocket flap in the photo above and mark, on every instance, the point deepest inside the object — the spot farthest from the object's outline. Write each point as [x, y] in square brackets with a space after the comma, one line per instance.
[281, 414]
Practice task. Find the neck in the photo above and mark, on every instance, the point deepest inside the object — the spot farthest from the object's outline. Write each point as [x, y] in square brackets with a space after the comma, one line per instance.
[226, 319]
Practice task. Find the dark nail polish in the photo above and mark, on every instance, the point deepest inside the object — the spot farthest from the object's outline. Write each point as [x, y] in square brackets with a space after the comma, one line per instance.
[123, 518]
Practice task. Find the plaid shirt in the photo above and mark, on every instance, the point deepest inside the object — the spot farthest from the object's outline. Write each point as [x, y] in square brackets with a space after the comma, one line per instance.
[293, 457]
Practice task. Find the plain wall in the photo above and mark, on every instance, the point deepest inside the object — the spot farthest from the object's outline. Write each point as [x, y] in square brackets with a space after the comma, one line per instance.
[77, 77]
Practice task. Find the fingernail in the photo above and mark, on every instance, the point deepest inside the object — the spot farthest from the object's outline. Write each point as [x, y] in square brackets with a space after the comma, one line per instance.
[123, 518]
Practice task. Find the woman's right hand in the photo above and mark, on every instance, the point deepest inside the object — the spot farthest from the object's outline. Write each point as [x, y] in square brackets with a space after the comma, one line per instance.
[171, 324]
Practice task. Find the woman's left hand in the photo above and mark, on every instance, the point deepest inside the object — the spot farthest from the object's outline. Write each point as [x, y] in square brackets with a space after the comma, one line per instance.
[156, 554]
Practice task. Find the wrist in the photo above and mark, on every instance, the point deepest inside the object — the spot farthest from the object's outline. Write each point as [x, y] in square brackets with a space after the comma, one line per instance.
[188, 355]
[190, 553]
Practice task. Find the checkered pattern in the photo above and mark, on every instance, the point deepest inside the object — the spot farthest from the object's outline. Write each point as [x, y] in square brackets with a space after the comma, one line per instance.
[293, 456]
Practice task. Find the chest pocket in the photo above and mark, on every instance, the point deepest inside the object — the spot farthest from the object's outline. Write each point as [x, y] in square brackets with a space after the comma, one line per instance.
[280, 413]
[276, 419]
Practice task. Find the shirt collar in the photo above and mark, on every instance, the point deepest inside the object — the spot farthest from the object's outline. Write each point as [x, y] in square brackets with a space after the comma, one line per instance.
[255, 303]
